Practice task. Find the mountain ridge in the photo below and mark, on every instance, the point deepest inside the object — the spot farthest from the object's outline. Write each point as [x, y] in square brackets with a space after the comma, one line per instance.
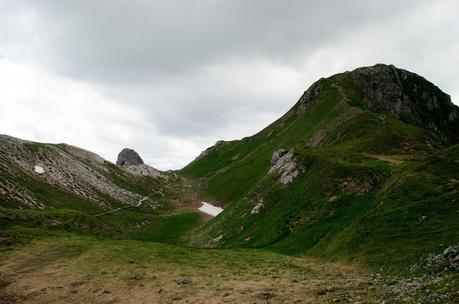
[352, 140]
[350, 196]
[67, 168]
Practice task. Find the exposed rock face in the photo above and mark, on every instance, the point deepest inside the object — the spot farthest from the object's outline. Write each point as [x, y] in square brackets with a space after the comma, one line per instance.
[448, 260]
[14, 192]
[311, 93]
[144, 170]
[408, 97]
[128, 157]
[257, 208]
[283, 162]
[351, 185]
[259, 203]
[402, 94]
[131, 162]
[277, 155]
[60, 166]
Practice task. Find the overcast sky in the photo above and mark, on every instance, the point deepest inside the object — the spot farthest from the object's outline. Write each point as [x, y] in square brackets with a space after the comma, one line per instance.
[169, 78]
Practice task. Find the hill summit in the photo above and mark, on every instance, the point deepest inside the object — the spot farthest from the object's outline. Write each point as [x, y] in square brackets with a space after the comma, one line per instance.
[363, 161]
[397, 92]
[129, 157]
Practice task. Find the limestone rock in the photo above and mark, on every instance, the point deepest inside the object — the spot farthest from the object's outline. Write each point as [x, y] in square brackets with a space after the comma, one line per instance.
[75, 170]
[128, 157]
[448, 260]
[284, 163]
[144, 170]
[408, 97]
[397, 92]
[308, 98]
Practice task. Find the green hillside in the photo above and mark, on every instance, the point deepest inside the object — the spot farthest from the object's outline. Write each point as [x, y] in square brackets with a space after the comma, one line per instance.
[377, 171]
[350, 197]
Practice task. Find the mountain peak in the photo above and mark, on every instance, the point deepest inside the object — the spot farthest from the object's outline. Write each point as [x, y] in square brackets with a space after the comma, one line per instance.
[397, 92]
[129, 157]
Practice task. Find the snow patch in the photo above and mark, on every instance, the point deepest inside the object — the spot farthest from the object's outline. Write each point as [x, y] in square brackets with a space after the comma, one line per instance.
[39, 170]
[210, 209]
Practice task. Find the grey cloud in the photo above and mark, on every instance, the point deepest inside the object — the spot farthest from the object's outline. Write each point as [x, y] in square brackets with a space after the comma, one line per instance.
[169, 78]
[129, 41]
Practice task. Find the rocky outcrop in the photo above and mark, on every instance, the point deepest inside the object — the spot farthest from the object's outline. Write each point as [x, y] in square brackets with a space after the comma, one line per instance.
[284, 163]
[397, 92]
[131, 162]
[354, 186]
[433, 286]
[409, 97]
[128, 157]
[144, 170]
[448, 260]
[308, 97]
[259, 202]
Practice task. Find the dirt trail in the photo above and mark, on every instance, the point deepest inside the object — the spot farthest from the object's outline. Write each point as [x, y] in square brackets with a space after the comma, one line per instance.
[393, 159]
[121, 208]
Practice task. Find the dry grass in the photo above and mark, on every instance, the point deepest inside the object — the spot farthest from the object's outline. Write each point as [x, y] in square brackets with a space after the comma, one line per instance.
[83, 270]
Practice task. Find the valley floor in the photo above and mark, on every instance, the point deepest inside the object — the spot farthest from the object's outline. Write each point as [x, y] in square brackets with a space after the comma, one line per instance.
[79, 269]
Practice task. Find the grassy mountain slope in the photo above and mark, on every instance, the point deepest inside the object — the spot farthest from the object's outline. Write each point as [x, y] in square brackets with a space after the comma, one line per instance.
[376, 182]
[363, 169]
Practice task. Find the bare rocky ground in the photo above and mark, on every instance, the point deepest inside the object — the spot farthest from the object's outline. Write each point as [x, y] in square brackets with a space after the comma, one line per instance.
[74, 170]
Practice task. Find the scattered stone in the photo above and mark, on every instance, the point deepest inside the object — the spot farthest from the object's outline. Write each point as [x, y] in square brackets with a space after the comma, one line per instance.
[446, 261]
[136, 277]
[159, 290]
[332, 198]
[218, 238]
[151, 276]
[257, 208]
[77, 283]
[324, 291]
[265, 295]
[182, 282]
[352, 185]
